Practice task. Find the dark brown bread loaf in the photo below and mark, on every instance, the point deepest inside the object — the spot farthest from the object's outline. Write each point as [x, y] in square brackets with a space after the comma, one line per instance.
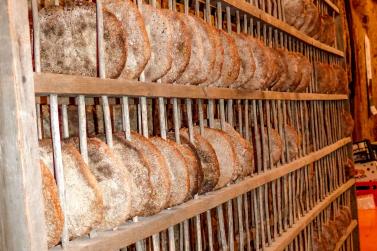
[219, 60]
[69, 41]
[262, 72]
[208, 160]
[311, 24]
[244, 150]
[84, 200]
[225, 152]
[53, 212]
[159, 173]
[232, 62]
[113, 179]
[178, 170]
[160, 33]
[341, 79]
[138, 46]
[329, 236]
[182, 37]
[247, 66]
[274, 67]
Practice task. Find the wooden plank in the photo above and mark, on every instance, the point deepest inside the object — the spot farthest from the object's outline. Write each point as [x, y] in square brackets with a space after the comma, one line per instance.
[349, 231]
[21, 202]
[132, 232]
[68, 85]
[284, 240]
[281, 25]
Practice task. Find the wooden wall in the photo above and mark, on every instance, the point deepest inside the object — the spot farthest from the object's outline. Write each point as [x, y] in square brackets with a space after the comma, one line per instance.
[363, 20]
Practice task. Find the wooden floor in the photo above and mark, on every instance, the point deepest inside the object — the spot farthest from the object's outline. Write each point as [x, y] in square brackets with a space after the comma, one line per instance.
[368, 229]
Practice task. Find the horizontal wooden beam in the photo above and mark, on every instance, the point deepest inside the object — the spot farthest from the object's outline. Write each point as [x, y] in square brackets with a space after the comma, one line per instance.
[252, 10]
[285, 239]
[134, 231]
[69, 85]
[349, 231]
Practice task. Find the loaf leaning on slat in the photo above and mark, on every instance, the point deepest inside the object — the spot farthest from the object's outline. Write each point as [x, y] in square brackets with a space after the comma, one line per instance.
[232, 62]
[182, 40]
[225, 152]
[138, 46]
[69, 41]
[294, 12]
[159, 173]
[113, 179]
[84, 200]
[244, 150]
[160, 33]
[247, 66]
[178, 170]
[293, 141]
[197, 74]
[208, 160]
[53, 212]
[139, 170]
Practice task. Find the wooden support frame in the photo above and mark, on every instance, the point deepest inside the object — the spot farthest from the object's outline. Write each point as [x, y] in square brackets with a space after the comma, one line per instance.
[21, 221]
[130, 233]
[66, 85]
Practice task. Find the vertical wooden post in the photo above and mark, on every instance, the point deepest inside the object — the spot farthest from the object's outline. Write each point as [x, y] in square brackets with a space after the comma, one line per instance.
[21, 204]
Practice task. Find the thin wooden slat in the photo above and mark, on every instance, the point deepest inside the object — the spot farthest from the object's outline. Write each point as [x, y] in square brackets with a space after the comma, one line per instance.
[132, 232]
[69, 85]
[284, 240]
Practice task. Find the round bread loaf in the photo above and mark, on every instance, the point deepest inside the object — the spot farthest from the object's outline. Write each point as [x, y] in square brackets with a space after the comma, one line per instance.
[219, 60]
[341, 79]
[306, 74]
[294, 69]
[281, 83]
[262, 71]
[193, 165]
[113, 179]
[53, 212]
[276, 147]
[160, 34]
[293, 141]
[208, 160]
[159, 173]
[273, 66]
[84, 200]
[194, 75]
[69, 41]
[317, 244]
[191, 74]
[324, 77]
[225, 152]
[312, 22]
[232, 62]
[247, 66]
[329, 234]
[182, 37]
[244, 150]
[294, 12]
[178, 170]
[139, 173]
[138, 46]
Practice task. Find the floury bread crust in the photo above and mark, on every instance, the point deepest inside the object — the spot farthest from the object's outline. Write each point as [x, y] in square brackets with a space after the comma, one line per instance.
[69, 41]
[138, 46]
[178, 170]
[113, 179]
[84, 200]
[160, 34]
[182, 40]
[53, 211]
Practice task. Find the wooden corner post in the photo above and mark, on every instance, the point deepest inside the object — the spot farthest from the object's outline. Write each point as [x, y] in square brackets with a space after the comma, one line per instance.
[21, 205]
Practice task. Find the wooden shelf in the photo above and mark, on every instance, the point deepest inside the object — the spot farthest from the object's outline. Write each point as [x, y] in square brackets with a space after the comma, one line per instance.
[68, 85]
[350, 229]
[284, 240]
[267, 18]
[134, 231]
